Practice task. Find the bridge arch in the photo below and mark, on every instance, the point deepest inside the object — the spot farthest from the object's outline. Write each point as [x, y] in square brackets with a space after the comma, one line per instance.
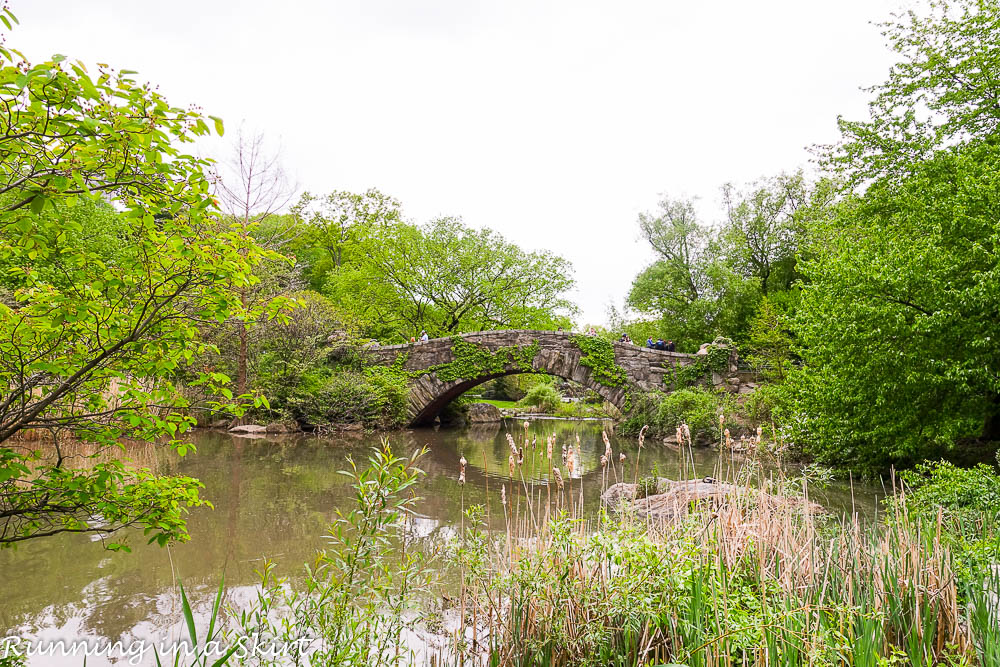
[442, 369]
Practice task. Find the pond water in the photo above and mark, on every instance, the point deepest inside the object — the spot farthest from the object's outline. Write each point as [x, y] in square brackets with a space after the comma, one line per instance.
[273, 498]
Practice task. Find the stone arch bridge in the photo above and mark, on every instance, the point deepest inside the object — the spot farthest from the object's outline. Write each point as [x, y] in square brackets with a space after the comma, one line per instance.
[442, 369]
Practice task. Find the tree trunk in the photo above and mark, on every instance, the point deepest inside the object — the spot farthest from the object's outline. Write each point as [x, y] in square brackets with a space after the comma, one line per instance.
[241, 357]
[991, 425]
[241, 361]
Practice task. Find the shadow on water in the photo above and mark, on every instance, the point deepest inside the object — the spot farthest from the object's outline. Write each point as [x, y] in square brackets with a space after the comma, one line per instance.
[274, 498]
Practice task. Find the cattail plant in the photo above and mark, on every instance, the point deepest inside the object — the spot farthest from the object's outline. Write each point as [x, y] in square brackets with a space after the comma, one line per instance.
[513, 446]
[642, 441]
[461, 470]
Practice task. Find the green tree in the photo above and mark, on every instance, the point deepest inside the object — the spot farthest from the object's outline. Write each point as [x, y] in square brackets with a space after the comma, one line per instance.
[91, 335]
[448, 278]
[252, 189]
[691, 288]
[944, 90]
[899, 312]
[770, 341]
[761, 235]
[336, 225]
[676, 286]
[899, 317]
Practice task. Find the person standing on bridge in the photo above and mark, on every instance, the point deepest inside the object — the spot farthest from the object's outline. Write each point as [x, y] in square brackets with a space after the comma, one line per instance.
[424, 336]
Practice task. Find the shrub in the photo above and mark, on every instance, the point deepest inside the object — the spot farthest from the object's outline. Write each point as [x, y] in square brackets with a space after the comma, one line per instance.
[968, 502]
[545, 397]
[515, 387]
[964, 494]
[759, 406]
[696, 407]
[643, 413]
[353, 605]
[349, 397]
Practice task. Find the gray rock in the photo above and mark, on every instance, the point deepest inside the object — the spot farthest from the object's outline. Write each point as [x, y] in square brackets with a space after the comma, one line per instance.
[483, 413]
[248, 428]
[282, 427]
[347, 427]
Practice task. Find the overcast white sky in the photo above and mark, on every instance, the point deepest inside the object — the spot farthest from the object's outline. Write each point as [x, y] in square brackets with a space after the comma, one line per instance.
[553, 122]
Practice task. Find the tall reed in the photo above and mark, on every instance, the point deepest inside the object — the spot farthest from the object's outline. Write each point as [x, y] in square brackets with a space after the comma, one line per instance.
[759, 576]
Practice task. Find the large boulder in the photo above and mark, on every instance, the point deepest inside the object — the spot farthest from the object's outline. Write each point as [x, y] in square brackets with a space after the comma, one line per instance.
[479, 413]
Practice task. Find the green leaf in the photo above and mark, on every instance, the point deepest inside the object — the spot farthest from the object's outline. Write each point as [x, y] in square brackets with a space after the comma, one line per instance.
[188, 617]
[89, 90]
[219, 128]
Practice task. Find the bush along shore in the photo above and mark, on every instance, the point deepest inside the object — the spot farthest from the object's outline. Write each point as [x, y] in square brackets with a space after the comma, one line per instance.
[736, 569]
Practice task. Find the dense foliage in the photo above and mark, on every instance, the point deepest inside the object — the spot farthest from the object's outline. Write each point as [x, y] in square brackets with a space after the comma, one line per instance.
[542, 397]
[397, 279]
[962, 505]
[868, 297]
[112, 254]
[898, 323]
[711, 280]
[898, 320]
[361, 271]
[598, 355]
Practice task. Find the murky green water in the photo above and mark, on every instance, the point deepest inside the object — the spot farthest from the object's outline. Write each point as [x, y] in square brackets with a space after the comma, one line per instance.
[274, 498]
